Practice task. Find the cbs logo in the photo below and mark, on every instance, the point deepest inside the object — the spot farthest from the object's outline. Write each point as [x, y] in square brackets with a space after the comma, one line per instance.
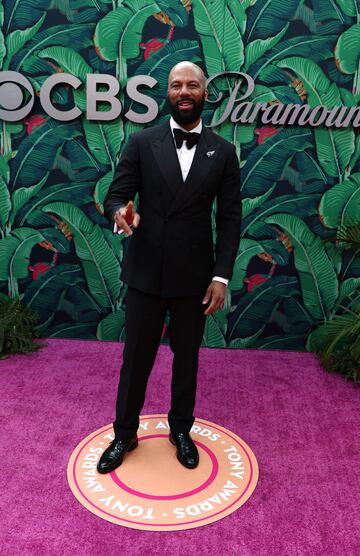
[12, 97]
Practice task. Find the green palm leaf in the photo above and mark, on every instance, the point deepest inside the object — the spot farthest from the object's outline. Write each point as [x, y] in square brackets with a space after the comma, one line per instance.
[44, 295]
[74, 192]
[297, 317]
[347, 50]
[61, 35]
[266, 162]
[347, 55]
[356, 156]
[334, 146]
[257, 48]
[220, 28]
[23, 13]
[248, 249]
[250, 204]
[255, 307]
[309, 168]
[99, 263]
[17, 39]
[176, 10]
[82, 11]
[23, 195]
[318, 279]
[68, 60]
[5, 203]
[37, 152]
[116, 245]
[118, 34]
[268, 17]
[15, 253]
[212, 334]
[81, 159]
[315, 47]
[84, 307]
[301, 204]
[110, 328]
[349, 7]
[341, 204]
[243, 343]
[347, 290]
[329, 17]
[101, 190]
[2, 48]
[104, 139]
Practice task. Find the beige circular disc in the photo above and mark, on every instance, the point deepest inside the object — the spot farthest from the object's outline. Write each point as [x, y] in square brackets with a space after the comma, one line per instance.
[151, 490]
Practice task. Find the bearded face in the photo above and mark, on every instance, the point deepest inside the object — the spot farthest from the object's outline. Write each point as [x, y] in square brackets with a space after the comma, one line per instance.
[187, 110]
[186, 95]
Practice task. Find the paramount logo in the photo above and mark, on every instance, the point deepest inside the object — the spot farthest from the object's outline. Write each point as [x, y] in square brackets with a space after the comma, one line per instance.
[236, 108]
[277, 113]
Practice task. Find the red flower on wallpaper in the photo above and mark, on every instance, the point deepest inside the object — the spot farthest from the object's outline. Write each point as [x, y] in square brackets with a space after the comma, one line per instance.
[38, 269]
[265, 132]
[151, 46]
[35, 121]
[255, 280]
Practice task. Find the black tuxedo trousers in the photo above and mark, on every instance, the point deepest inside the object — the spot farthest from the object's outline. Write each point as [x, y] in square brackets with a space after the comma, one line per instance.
[144, 322]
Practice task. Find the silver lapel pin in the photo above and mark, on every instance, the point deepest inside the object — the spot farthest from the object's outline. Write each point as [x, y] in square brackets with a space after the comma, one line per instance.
[210, 153]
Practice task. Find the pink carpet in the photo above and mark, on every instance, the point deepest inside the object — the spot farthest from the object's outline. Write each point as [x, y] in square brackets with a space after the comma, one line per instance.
[302, 423]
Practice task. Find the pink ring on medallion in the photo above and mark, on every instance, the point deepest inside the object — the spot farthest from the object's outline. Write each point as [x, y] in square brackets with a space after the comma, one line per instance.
[209, 480]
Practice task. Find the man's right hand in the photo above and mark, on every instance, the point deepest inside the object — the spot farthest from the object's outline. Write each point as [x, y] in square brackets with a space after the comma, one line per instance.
[126, 217]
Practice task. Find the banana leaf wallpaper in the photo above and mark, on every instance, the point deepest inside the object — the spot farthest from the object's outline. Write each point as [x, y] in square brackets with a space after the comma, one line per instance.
[299, 184]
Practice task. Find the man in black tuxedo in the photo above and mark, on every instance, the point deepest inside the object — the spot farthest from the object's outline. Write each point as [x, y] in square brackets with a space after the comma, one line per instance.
[178, 169]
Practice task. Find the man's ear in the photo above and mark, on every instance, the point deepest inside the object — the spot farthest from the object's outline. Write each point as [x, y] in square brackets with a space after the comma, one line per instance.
[206, 94]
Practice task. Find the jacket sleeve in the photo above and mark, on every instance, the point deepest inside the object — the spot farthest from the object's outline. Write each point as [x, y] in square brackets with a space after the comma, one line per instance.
[228, 218]
[126, 180]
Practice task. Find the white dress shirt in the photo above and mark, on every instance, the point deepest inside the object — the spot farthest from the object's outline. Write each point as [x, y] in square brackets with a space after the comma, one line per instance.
[186, 157]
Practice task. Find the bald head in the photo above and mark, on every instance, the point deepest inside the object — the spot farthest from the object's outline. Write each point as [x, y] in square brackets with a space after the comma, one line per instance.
[188, 68]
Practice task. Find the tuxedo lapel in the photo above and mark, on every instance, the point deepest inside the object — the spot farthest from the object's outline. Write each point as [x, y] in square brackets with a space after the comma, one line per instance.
[205, 156]
[164, 151]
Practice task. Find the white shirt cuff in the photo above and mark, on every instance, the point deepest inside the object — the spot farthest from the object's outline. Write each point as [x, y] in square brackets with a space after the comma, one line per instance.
[222, 280]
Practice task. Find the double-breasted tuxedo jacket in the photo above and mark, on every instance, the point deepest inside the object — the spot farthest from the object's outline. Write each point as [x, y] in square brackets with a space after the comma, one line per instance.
[171, 253]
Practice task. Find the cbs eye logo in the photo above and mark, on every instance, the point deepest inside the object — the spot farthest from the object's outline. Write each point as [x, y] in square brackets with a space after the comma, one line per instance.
[12, 96]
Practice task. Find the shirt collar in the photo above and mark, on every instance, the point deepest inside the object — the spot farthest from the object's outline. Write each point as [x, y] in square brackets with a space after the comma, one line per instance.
[175, 125]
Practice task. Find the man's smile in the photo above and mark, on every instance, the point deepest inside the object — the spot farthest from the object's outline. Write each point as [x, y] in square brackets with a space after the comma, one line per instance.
[185, 103]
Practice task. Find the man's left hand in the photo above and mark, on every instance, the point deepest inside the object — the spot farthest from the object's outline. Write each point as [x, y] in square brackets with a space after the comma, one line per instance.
[216, 295]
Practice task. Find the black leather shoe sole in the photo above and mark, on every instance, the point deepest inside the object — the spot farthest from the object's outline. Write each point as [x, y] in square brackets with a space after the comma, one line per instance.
[114, 465]
[183, 462]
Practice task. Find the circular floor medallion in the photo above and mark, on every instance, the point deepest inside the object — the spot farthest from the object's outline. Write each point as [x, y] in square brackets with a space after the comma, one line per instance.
[151, 490]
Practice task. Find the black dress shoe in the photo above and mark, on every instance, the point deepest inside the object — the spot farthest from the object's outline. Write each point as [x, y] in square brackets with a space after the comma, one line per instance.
[114, 454]
[186, 451]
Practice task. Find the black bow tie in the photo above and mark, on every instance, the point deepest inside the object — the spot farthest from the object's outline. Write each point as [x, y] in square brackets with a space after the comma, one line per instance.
[190, 138]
